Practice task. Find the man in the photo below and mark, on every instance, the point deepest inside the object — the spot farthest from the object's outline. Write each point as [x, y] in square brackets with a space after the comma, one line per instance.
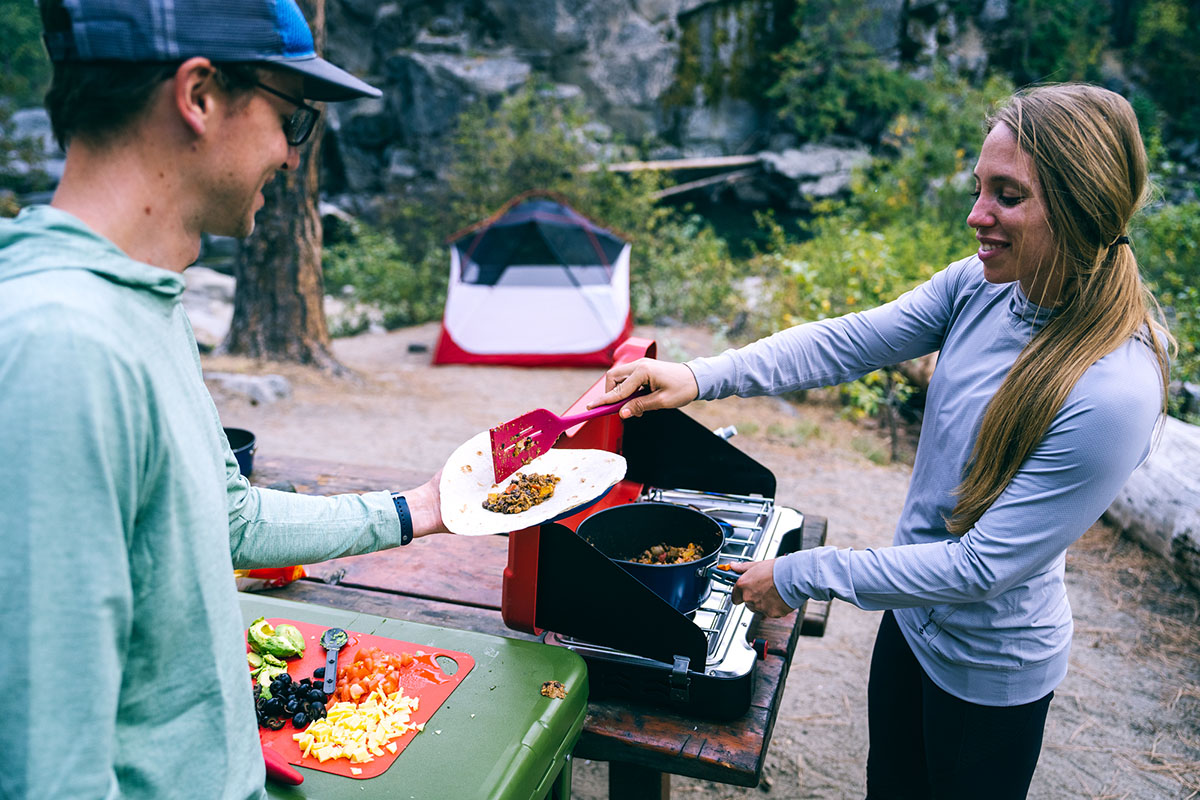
[120, 501]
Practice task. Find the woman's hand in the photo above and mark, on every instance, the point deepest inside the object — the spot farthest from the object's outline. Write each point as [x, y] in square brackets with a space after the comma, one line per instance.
[425, 505]
[756, 588]
[671, 385]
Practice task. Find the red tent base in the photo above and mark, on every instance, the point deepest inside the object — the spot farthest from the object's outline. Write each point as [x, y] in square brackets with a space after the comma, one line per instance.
[449, 351]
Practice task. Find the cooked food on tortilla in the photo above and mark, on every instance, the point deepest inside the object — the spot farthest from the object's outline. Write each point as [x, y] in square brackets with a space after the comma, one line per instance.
[525, 492]
[468, 479]
[669, 554]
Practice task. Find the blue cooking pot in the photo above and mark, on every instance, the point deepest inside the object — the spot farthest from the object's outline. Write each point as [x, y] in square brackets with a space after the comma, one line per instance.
[625, 531]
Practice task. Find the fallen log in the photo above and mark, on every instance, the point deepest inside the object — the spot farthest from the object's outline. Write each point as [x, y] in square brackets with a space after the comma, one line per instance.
[1159, 505]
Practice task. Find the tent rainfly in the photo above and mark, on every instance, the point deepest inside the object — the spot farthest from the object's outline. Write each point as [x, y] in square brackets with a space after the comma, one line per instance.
[538, 284]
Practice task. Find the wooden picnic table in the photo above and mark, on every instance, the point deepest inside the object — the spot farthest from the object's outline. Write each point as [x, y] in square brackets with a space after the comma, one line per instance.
[455, 582]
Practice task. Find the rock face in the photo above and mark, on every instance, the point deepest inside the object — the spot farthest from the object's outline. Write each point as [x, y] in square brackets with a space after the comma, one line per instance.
[680, 78]
[679, 74]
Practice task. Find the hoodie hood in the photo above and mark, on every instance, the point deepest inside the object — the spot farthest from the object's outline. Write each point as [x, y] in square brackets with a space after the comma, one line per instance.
[45, 239]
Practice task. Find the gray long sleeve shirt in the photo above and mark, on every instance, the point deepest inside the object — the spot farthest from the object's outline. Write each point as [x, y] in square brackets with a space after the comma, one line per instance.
[122, 517]
[986, 614]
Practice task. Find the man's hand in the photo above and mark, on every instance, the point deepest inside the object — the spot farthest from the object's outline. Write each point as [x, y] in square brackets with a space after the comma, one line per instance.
[756, 588]
[425, 505]
[671, 385]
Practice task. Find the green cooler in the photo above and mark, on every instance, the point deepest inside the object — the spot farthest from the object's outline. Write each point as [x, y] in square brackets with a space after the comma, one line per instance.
[496, 736]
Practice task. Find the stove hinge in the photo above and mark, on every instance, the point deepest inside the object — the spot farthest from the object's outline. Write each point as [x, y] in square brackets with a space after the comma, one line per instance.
[681, 682]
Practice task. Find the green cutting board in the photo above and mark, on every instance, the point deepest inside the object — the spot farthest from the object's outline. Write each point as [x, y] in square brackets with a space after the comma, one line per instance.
[494, 737]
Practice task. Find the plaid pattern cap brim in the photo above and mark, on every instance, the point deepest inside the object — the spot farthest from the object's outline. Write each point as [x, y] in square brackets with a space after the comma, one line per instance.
[269, 31]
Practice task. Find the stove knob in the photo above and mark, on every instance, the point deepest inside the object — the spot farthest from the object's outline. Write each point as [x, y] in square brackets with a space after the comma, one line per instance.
[760, 647]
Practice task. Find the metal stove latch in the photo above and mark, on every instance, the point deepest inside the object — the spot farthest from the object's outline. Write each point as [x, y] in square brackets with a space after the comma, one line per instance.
[681, 682]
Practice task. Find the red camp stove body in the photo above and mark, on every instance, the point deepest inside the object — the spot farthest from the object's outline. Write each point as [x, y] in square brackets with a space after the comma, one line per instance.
[636, 644]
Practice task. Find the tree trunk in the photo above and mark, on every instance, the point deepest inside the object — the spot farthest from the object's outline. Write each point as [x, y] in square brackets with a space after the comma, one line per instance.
[278, 310]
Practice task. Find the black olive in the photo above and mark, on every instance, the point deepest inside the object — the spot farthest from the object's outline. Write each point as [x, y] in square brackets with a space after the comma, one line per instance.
[275, 723]
[316, 695]
[284, 678]
[273, 707]
[300, 720]
[319, 672]
[291, 706]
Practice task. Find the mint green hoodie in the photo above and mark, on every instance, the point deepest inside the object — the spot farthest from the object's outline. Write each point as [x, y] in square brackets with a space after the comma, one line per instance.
[122, 518]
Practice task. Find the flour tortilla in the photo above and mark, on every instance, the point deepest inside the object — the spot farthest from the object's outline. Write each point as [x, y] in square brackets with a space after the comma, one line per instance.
[467, 481]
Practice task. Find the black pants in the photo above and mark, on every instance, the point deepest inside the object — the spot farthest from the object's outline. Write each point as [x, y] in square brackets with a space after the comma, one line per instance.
[929, 745]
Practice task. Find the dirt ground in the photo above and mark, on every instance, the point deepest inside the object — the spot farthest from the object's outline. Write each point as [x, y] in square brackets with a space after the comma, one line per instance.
[1124, 724]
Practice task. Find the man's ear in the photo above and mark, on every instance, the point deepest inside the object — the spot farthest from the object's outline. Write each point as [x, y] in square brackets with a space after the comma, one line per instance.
[195, 90]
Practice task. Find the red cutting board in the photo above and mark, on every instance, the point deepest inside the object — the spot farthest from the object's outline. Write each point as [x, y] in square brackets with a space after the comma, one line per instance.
[424, 678]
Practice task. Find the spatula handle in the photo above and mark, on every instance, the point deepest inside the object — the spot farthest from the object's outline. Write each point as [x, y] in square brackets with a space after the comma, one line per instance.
[600, 411]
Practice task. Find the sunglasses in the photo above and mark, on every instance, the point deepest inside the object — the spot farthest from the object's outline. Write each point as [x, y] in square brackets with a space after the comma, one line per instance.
[300, 125]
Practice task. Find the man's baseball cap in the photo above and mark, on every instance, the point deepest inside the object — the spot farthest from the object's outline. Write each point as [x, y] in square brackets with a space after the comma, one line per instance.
[272, 32]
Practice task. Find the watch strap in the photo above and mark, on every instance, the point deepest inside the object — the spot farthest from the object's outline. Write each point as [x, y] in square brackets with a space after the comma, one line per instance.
[406, 526]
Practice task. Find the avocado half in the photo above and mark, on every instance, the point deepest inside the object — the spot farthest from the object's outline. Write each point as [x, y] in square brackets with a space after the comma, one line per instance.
[283, 641]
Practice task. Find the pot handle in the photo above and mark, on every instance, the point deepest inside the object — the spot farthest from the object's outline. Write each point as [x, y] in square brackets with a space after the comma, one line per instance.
[722, 576]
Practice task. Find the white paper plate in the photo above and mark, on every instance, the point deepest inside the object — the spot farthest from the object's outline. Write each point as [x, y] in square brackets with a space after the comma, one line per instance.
[584, 475]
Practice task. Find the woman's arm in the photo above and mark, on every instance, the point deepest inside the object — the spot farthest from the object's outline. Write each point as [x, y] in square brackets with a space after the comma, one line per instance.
[833, 351]
[1095, 442]
[820, 353]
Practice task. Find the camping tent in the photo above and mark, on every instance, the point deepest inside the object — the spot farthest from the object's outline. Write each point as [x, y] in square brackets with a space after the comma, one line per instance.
[536, 284]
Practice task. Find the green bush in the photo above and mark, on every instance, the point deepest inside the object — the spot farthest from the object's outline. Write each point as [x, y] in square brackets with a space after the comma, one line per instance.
[1043, 41]
[831, 79]
[1164, 51]
[368, 269]
[1167, 242]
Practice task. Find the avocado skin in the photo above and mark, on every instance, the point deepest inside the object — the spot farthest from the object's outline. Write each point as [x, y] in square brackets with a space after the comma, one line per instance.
[284, 641]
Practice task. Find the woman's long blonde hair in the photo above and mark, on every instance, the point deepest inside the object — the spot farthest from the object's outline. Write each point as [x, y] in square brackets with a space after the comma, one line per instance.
[1088, 155]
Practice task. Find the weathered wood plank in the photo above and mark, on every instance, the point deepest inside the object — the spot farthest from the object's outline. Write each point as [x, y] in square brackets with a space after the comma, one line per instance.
[453, 569]
[726, 752]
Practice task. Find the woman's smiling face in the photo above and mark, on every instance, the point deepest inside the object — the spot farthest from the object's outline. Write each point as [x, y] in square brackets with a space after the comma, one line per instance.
[1009, 218]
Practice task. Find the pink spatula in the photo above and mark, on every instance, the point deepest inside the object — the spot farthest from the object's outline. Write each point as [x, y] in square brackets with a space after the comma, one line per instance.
[517, 442]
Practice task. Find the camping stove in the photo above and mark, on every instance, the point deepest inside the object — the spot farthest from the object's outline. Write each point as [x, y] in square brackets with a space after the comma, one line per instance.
[755, 529]
[635, 643]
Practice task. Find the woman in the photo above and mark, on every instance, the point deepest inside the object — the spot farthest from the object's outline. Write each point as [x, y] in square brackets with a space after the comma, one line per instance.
[1050, 380]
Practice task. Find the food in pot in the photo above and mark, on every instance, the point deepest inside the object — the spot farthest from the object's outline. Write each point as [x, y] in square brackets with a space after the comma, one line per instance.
[669, 554]
[523, 493]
